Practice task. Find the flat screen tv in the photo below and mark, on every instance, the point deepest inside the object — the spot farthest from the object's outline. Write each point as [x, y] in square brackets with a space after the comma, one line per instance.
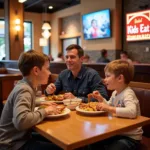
[97, 25]
[138, 26]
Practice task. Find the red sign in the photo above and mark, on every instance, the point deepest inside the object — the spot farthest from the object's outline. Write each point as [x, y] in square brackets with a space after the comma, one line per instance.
[138, 26]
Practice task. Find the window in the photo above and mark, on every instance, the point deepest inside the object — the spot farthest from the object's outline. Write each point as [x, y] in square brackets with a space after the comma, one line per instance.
[2, 40]
[46, 49]
[27, 37]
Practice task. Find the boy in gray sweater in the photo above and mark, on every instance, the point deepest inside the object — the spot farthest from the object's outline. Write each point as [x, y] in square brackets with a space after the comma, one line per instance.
[18, 115]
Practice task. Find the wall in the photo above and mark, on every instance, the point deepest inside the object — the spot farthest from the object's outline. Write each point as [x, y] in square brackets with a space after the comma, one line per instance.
[113, 44]
[98, 44]
[89, 46]
[136, 50]
[84, 7]
[71, 24]
[36, 19]
[56, 26]
[1, 13]
[13, 38]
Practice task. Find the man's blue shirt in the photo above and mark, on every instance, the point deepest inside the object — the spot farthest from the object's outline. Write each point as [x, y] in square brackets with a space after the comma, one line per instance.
[87, 81]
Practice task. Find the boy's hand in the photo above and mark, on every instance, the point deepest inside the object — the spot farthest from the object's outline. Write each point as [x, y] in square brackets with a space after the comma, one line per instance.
[52, 110]
[97, 96]
[105, 107]
[102, 106]
[51, 88]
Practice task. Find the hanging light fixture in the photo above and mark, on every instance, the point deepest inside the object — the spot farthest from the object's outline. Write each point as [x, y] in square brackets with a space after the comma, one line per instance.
[46, 26]
[21, 1]
[46, 34]
[43, 42]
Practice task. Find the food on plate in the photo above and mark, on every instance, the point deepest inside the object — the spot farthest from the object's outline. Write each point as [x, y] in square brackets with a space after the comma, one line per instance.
[60, 107]
[59, 97]
[91, 106]
[42, 106]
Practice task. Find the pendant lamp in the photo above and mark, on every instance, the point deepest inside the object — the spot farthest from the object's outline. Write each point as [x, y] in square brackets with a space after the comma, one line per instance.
[46, 26]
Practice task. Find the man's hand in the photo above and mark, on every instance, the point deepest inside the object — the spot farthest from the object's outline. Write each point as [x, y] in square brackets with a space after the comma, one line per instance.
[51, 88]
[68, 95]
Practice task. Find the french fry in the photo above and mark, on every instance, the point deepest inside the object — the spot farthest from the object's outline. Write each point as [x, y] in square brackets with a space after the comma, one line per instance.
[89, 97]
[91, 106]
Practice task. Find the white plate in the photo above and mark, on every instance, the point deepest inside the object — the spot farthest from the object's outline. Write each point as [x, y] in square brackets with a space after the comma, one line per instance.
[65, 112]
[42, 99]
[88, 112]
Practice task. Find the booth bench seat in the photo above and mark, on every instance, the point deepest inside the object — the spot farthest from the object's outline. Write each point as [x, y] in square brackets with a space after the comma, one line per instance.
[142, 91]
[7, 81]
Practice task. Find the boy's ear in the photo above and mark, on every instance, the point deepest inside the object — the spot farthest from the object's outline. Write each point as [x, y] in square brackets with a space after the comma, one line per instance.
[121, 77]
[35, 70]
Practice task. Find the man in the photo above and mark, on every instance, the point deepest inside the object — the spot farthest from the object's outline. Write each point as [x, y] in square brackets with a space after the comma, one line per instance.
[60, 58]
[77, 80]
[103, 58]
[124, 56]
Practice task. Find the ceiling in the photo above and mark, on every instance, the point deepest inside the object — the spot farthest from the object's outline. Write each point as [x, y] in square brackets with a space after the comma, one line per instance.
[40, 6]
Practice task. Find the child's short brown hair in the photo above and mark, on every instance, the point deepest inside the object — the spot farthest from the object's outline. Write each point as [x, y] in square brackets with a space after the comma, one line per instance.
[30, 59]
[118, 67]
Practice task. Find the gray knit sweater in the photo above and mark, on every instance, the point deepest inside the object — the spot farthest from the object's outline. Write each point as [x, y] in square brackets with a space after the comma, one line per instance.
[18, 116]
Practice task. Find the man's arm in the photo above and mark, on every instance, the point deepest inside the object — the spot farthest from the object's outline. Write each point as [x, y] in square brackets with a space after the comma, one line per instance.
[58, 86]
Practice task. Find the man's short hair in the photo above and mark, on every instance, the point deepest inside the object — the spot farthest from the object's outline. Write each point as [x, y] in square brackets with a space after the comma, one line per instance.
[124, 52]
[30, 59]
[86, 56]
[59, 55]
[103, 52]
[119, 67]
[77, 47]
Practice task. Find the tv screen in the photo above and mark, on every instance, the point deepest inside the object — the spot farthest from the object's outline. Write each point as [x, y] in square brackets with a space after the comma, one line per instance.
[138, 26]
[96, 25]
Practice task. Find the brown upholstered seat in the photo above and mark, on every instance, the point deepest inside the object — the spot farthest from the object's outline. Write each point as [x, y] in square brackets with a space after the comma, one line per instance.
[3, 70]
[142, 91]
[144, 98]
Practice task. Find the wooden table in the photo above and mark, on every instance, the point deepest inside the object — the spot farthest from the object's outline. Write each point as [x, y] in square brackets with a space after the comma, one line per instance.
[75, 130]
